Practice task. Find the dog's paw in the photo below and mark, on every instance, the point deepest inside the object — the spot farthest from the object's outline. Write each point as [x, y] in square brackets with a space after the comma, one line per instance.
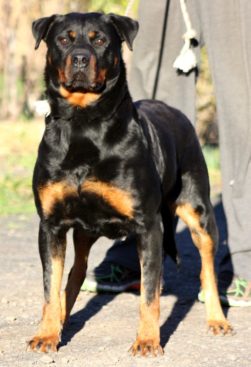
[44, 344]
[146, 348]
[220, 327]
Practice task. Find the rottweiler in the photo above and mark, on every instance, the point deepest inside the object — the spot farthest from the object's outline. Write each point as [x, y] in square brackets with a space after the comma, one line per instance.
[109, 167]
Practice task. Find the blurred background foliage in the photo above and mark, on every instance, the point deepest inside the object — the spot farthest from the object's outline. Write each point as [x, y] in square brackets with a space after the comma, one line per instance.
[21, 84]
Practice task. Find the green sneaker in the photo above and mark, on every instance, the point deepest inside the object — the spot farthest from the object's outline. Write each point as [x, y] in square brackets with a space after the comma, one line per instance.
[109, 277]
[238, 294]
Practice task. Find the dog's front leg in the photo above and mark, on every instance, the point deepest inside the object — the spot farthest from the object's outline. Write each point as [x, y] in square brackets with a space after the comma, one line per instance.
[150, 254]
[82, 245]
[52, 252]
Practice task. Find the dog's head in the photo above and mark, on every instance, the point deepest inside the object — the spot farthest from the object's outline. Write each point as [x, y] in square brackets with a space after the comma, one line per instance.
[84, 49]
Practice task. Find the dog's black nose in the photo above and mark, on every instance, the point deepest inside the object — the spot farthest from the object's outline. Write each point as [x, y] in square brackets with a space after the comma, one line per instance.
[81, 60]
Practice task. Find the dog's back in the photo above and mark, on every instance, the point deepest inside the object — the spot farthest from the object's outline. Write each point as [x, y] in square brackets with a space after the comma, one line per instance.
[173, 139]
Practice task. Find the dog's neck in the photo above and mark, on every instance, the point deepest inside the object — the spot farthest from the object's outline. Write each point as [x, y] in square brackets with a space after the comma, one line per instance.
[105, 105]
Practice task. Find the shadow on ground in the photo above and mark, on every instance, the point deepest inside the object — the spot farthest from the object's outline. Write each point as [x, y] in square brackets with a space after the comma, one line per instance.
[183, 283]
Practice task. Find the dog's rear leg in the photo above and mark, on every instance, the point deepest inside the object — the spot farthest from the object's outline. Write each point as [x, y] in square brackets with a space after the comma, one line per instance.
[201, 223]
[82, 245]
[150, 254]
[52, 252]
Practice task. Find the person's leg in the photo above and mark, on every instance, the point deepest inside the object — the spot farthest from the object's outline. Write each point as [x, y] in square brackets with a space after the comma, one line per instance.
[118, 271]
[226, 31]
[151, 75]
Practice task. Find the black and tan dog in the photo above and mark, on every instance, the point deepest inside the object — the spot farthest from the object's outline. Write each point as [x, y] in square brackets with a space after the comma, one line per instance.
[107, 166]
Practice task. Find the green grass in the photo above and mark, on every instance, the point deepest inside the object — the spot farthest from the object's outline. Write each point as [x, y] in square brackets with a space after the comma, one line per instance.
[19, 143]
[114, 6]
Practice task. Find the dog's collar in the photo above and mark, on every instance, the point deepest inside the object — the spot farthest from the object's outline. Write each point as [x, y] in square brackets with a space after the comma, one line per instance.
[102, 110]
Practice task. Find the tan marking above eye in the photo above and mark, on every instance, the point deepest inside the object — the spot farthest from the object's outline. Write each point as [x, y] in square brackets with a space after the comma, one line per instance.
[92, 35]
[96, 38]
[72, 34]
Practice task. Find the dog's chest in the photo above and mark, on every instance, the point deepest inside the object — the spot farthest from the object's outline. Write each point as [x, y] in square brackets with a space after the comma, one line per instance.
[85, 187]
[98, 206]
[92, 181]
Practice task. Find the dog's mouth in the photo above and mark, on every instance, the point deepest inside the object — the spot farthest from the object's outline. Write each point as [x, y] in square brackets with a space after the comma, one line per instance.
[81, 90]
[79, 82]
[81, 74]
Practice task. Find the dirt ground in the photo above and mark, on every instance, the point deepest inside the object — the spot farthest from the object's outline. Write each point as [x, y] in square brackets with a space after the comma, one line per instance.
[103, 327]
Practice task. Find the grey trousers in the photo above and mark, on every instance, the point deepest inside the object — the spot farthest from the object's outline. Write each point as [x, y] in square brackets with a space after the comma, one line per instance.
[224, 27]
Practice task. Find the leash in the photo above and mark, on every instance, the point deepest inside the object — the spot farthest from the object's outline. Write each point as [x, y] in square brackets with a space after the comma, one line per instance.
[129, 7]
[163, 36]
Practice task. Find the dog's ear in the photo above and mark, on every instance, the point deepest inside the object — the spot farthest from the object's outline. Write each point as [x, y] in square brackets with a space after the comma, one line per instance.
[41, 27]
[126, 27]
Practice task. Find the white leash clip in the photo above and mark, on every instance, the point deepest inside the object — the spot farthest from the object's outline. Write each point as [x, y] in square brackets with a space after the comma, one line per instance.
[186, 61]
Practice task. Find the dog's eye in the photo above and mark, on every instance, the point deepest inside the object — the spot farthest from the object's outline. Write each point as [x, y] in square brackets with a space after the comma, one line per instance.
[99, 42]
[64, 41]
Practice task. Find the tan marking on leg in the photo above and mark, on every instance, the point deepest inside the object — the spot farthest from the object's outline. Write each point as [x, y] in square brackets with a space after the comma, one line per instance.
[205, 244]
[148, 337]
[119, 199]
[48, 335]
[82, 245]
[53, 192]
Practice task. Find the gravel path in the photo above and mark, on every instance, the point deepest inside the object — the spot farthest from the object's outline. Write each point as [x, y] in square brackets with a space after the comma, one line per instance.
[103, 327]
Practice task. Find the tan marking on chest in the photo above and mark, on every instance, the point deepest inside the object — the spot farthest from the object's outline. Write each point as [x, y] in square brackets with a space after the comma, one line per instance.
[78, 98]
[54, 192]
[117, 198]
